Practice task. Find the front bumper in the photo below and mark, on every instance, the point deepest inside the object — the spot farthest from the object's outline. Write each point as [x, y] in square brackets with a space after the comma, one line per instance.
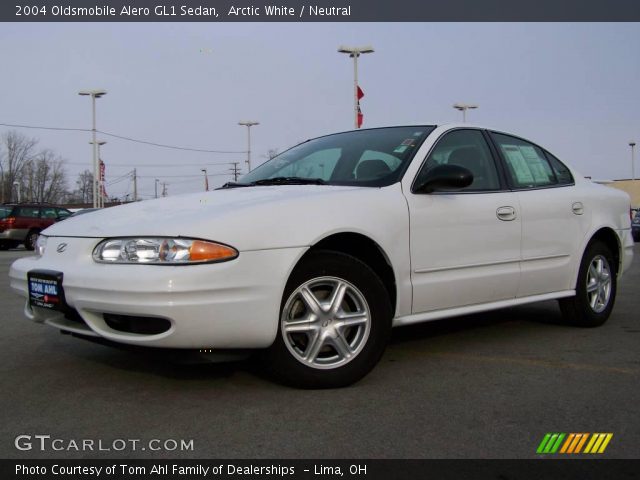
[233, 304]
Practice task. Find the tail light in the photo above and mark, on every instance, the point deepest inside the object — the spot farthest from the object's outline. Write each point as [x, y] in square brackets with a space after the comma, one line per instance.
[7, 222]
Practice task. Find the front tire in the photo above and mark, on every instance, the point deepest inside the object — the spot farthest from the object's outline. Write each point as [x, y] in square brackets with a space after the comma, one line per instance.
[595, 290]
[335, 320]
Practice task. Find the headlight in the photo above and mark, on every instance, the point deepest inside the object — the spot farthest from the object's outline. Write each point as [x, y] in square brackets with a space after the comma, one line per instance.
[41, 245]
[162, 251]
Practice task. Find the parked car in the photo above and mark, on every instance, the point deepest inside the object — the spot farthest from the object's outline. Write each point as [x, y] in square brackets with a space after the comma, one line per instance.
[314, 256]
[21, 223]
[84, 211]
[635, 227]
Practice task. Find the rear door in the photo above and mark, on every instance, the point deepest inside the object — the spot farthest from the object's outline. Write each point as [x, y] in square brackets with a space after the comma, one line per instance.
[554, 217]
[465, 245]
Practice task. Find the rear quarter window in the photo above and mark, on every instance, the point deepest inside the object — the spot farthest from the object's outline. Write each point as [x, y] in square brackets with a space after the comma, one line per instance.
[563, 174]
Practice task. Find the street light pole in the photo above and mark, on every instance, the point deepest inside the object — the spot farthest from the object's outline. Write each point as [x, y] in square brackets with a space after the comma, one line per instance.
[248, 124]
[206, 179]
[100, 179]
[463, 107]
[355, 52]
[632, 144]
[94, 94]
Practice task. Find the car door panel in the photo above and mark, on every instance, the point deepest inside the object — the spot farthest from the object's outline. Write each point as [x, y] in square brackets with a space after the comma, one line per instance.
[461, 252]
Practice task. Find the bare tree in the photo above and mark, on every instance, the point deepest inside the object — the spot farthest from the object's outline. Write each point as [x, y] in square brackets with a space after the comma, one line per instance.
[84, 190]
[44, 178]
[18, 151]
[272, 152]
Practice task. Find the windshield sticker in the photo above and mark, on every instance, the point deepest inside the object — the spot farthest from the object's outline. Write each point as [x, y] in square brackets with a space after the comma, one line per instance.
[519, 164]
[400, 149]
[535, 163]
[408, 141]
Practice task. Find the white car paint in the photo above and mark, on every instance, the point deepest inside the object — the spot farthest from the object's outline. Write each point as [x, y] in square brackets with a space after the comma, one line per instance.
[450, 254]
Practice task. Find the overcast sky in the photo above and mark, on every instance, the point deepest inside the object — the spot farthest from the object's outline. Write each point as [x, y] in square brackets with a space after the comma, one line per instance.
[573, 88]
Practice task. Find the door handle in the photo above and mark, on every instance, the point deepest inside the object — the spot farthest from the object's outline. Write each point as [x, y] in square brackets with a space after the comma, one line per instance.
[506, 214]
[577, 208]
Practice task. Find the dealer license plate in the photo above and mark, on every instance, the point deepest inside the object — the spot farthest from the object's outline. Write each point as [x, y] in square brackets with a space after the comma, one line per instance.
[45, 289]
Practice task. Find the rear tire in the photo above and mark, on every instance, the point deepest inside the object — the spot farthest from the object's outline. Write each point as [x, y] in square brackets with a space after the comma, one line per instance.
[30, 240]
[335, 321]
[595, 289]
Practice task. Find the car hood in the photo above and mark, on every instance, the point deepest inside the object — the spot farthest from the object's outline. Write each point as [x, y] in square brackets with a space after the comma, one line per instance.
[245, 217]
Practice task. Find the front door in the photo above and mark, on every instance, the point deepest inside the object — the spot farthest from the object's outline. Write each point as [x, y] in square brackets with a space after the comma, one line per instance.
[465, 245]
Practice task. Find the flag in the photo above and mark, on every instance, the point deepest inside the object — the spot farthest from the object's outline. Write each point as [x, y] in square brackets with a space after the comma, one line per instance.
[360, 116]
[360, 93]
[103, 191]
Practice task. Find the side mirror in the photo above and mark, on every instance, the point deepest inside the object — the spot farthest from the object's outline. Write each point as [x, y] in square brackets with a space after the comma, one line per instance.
[444, 177]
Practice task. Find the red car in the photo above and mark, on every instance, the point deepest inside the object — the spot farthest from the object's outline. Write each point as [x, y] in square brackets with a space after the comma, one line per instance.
[21, 223]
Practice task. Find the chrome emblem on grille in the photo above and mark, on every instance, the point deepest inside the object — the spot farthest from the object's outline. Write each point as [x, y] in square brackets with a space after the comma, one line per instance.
[61, 247]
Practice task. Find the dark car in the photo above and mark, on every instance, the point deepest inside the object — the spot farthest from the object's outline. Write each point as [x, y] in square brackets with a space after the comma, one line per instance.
[635, 227]
[21, 223]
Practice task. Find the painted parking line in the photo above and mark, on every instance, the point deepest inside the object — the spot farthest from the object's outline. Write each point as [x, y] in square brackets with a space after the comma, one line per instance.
[532, 362]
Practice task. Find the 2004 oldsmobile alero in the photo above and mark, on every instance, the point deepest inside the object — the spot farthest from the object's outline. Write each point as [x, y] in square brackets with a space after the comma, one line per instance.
[316, 254]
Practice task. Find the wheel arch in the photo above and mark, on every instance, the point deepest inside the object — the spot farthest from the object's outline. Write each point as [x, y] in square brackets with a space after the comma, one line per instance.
[609, 237]
[364, 249]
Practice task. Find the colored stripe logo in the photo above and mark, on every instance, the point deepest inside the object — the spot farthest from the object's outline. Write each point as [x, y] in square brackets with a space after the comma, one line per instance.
[571, 443]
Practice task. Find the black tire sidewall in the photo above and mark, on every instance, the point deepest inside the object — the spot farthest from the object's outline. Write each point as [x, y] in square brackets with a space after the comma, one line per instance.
[30, 240]
[333, 264]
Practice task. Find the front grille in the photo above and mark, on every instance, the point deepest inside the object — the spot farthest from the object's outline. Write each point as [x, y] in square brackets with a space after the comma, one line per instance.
[136, 324]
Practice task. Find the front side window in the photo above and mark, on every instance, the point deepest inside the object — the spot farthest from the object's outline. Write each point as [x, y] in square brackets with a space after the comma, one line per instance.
[63, 213]
[526, 163]
[468, 149]
[369, 158]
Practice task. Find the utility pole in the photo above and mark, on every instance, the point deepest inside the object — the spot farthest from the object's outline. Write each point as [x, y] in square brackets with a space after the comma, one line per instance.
[156, 186]
[164, 189]
[632, 144]
[135, 185]
[235, 171]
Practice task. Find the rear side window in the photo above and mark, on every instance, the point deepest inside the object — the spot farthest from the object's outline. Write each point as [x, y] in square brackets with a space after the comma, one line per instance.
[33, 212]
[526, 163]
[5, 211]
[563, 174]
[49, 213]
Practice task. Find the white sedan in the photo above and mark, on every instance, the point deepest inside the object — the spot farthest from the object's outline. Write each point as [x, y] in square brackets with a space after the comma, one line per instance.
[316, 254]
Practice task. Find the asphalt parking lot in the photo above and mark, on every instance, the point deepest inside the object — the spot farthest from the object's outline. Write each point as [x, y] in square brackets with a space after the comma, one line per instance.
[481, 386]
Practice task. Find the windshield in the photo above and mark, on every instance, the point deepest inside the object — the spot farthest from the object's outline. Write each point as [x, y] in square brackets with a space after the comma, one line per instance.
[5, 211]
[375, 158]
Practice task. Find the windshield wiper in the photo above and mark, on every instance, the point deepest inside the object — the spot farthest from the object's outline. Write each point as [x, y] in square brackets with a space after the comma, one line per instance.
[289, 181]
[276, 181]
[234, 185]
